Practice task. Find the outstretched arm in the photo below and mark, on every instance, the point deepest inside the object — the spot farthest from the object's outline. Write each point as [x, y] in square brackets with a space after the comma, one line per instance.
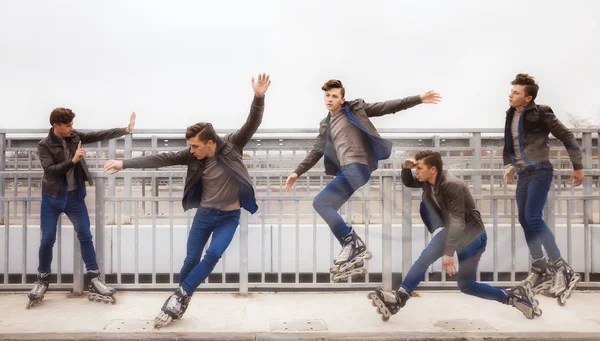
[393, 106]
[108, 134]
[183, 157]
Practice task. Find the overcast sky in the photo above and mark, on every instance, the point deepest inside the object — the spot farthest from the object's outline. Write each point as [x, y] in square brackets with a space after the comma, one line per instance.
[179, 62]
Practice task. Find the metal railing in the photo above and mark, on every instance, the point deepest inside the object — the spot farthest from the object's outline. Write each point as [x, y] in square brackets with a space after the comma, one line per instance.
[140, 228]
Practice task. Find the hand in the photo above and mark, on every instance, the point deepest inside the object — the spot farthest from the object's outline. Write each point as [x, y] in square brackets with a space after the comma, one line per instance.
[576, 175]
[113, 166]
[509, 175]
[80, 153]
[289, 183]
[431, 97]
[449, 265]
[261, 85]
[409, 163]
[129, 128]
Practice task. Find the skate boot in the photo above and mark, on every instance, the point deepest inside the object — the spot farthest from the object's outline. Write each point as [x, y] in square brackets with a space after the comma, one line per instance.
[539, 277]
[351, 260]
[388, 303]
[36, 295]
[98, 290]
[564, 280]
[522, 298]
[173, 308]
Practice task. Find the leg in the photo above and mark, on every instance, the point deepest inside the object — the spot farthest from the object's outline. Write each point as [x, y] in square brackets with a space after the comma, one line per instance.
[533, 243]
[537, 193]
[336, 193]
[48, 223]
[468, 261]
[201, 229]
[222, 235]
[77, 212]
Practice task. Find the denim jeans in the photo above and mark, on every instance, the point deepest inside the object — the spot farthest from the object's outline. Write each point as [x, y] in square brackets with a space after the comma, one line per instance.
[532, 191]
[207, 221]
[76, 210]
[468, 260]
[350, 178]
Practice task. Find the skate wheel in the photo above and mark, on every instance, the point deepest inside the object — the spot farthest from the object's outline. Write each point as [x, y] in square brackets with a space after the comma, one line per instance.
[371, 295]
[114, 300]
[90, 298]
[537, 312]
[29, 304]
[384, 318]
[368, 255]
[561, 300]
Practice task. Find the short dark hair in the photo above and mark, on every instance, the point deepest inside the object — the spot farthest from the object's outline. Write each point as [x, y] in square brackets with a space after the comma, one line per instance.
[61, 115]
[431, 158]
[203, 130]
[334, 84]
[531, 87]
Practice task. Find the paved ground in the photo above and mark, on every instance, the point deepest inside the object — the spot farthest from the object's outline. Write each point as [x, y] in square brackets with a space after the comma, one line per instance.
[295, 316]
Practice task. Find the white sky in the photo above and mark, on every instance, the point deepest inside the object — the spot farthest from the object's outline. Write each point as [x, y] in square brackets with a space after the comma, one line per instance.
[179, 62]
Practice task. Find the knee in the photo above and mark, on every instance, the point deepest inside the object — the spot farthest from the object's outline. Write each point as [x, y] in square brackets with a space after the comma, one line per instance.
[318, 204]
[48, 241]
[85, 237]
[533, 220]
[211, 258]
[466, 286]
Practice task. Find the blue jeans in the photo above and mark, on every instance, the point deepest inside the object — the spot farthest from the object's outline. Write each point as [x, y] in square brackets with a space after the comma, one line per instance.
[532, 192]
[468, 260]
[76, 210]
[336, 193]
[207, 221]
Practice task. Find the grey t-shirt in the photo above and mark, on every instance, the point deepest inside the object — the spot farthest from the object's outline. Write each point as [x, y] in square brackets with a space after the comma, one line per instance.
[219, 188]
[71, 183]
[514, 128]
[348, 140]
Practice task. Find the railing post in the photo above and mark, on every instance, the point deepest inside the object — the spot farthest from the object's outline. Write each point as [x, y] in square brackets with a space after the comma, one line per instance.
[406, 230]
[100, 223]
[2, 168]
[244, 252]
[477, 162]
[77, 265]
[112, 184]
[127, 153]
[386, 234]
[587, 181]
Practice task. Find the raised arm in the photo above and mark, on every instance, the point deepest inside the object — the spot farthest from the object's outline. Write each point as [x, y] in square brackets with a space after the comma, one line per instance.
[408, 179]
[108, 134]
[241, 137]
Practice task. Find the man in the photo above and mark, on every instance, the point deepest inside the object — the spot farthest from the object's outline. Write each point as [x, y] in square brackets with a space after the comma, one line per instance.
[217, 184]
[447, 203]
[526, 151]
[63, 191]
[352, 148]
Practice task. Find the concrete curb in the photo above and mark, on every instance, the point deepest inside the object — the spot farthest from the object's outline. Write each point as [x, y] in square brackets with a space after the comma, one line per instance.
[166, 336]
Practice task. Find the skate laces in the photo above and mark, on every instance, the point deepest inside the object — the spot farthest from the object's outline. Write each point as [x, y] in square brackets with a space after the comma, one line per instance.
[345, 253]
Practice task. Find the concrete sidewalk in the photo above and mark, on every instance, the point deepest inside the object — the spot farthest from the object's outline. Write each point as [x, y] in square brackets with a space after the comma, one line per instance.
[296, 316]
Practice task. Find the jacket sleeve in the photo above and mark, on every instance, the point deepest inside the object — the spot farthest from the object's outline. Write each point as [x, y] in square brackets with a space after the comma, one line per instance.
[409, 180]
[48, 164]
[101, 135]
[160, 160]
[454, 201]
[566, 136]
[241, 137]
[313, 156]
[391, 107]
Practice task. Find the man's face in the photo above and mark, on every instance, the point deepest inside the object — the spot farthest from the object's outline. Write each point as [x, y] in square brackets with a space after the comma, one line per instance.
[63, 130]
[424, 173]
[334, 100]
[517, 97]
[201, 149]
